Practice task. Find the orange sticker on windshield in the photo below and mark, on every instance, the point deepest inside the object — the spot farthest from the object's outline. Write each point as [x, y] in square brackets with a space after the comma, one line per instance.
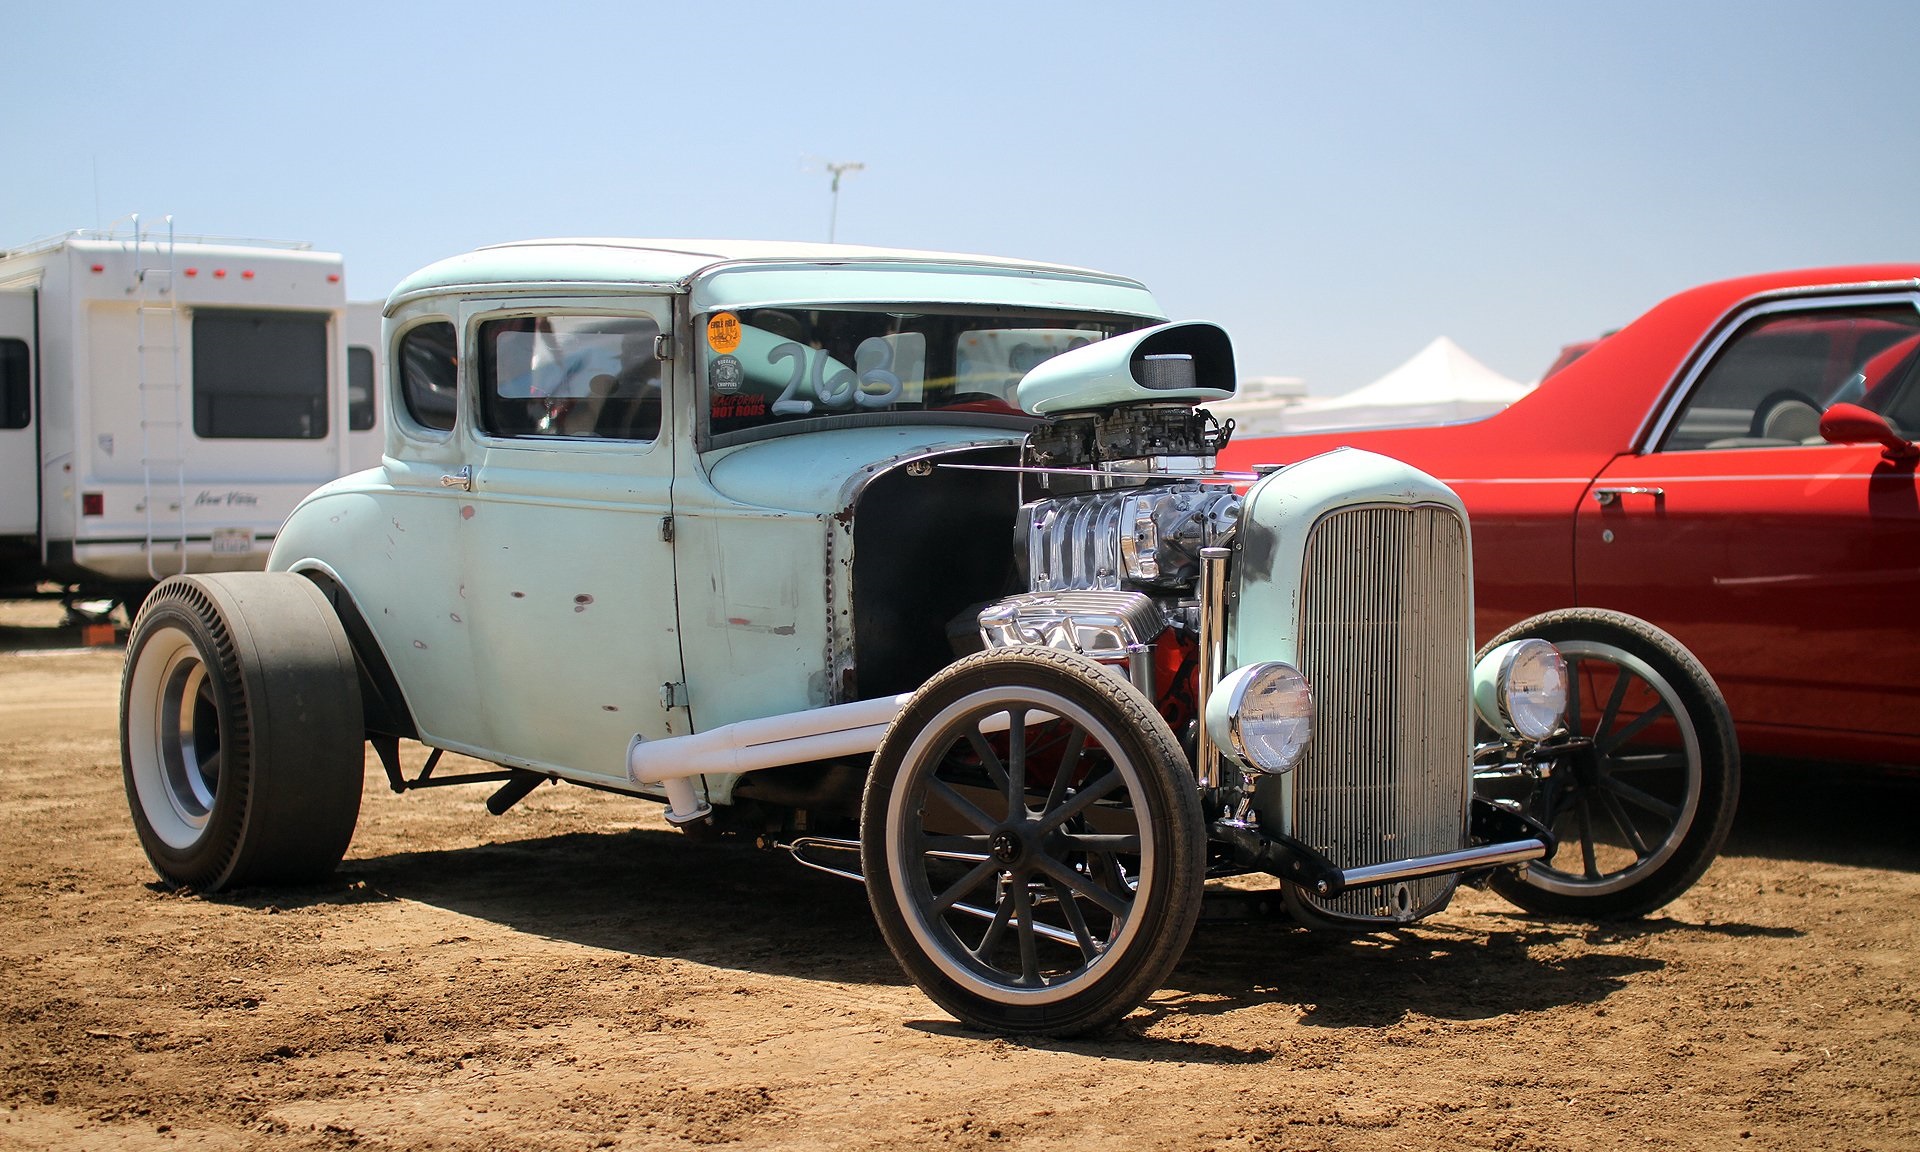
[723, 332]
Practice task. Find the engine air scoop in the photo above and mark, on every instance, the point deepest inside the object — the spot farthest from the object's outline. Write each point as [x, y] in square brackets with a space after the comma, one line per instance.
[1187, 362]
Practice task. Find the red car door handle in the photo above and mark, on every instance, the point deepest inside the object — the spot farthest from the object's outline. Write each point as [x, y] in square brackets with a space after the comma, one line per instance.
[1604, 496]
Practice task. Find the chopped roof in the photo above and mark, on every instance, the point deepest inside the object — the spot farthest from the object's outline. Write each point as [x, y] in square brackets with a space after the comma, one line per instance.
[532, 265]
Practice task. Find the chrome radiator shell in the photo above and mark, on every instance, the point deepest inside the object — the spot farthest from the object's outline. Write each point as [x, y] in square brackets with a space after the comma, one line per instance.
[1386, 639]
[1357, 570]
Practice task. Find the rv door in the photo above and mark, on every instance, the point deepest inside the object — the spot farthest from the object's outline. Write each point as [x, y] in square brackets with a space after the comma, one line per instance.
[19, 439]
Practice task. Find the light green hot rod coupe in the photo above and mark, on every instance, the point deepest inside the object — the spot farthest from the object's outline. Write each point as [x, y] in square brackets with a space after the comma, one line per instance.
[919, 566]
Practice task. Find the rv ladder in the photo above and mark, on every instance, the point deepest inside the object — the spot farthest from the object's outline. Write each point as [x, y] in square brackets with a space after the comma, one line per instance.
[162, 399]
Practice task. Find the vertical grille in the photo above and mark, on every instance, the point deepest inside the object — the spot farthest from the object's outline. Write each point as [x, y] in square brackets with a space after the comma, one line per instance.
[1386, 642]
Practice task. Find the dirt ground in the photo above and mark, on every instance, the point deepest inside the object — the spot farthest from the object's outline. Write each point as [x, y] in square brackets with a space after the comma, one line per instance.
[575, 975]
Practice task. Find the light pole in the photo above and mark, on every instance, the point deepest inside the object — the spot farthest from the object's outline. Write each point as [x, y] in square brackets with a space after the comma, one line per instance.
[838, 170]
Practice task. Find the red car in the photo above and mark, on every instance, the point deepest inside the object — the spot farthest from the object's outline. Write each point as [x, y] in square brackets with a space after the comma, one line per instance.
[1736, 467]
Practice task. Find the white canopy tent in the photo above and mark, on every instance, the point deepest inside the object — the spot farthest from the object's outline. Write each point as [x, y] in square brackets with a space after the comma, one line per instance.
[1441, 384]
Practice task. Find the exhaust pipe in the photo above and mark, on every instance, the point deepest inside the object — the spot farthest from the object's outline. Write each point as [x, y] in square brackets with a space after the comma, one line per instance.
[750, 745]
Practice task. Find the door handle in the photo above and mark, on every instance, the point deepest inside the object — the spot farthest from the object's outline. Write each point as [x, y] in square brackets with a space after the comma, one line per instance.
[462, 479]
[1606, 496]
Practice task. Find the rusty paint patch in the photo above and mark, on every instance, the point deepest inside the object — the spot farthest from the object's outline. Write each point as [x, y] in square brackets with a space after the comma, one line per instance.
[609, 708]
[454, 616]
[753, 626]
[582, 602]
[519, 595]
[466, 511]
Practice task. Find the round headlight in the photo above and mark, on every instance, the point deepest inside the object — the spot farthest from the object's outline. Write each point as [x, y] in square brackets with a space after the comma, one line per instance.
[1262, 714]
[1520, 688]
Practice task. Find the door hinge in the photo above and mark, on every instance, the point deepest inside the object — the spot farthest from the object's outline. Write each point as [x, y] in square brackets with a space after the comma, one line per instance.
[663, 347]
[666, 529]
[673, 695]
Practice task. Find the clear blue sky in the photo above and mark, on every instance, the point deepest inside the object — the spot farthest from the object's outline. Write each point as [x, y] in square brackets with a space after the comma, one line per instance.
[1338, 184]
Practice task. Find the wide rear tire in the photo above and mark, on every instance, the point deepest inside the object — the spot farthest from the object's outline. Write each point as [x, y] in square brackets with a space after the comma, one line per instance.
[241, 739]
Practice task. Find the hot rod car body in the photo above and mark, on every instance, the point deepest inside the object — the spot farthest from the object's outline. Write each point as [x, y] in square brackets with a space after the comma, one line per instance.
[918, 565]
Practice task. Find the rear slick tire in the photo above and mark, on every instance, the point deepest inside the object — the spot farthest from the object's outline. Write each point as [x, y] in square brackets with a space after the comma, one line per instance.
[241, 738]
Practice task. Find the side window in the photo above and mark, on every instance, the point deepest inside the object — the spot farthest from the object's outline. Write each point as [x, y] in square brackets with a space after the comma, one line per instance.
[1768, 385]
[592, 377]
[16, 385]
[428, 368]
[259, 375]
[360, 400]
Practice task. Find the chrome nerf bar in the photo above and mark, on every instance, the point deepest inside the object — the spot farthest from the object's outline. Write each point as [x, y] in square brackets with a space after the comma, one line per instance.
[1465, 860]
[1289, 859]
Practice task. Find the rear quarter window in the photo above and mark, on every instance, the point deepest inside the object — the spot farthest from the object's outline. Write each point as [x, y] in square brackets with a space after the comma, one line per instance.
[427, 365]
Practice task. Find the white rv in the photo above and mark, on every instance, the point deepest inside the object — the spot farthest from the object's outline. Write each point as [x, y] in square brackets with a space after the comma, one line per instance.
[164, 403]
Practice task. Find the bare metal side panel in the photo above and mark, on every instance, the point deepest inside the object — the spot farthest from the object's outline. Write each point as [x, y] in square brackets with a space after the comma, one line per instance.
[1385, 638]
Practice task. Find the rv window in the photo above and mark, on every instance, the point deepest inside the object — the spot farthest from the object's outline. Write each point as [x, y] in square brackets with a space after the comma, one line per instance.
[259, 375]
[359, 388]
[592, 377]
[429, 371]
[16, 385]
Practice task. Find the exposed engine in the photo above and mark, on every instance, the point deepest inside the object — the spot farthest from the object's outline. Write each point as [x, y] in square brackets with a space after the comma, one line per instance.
[1111, 556]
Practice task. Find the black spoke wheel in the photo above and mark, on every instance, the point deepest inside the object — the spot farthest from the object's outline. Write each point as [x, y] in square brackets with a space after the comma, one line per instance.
[241, 739]
[1643, 803]
[1032, 844]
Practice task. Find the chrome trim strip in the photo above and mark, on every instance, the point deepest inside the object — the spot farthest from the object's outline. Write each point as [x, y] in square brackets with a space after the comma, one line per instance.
[1213, 640]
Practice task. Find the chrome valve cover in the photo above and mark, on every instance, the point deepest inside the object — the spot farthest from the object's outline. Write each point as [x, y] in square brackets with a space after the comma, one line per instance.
[1116, 628]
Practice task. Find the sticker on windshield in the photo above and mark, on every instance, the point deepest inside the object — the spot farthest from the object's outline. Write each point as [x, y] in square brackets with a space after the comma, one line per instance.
[723, 332]
[725, 374]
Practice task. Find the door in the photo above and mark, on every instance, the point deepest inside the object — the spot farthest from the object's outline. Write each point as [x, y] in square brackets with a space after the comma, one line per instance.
[1789, 566]
[19, 436]
[567, 557]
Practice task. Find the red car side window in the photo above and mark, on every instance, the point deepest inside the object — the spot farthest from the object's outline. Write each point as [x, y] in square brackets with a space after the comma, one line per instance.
[1768, 385]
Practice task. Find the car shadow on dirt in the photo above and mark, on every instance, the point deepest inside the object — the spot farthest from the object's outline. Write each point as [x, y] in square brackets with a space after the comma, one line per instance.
[657, 894]
[1848, 814]
[648, 893]
[1443, 970]
[1440, 972]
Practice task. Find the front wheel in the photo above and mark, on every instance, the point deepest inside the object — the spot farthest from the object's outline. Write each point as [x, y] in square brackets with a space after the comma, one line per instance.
[1641, 810]
[241, 739]
[1032, 844]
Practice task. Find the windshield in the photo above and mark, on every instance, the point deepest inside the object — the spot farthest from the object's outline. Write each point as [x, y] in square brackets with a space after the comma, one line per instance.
[770, 371]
